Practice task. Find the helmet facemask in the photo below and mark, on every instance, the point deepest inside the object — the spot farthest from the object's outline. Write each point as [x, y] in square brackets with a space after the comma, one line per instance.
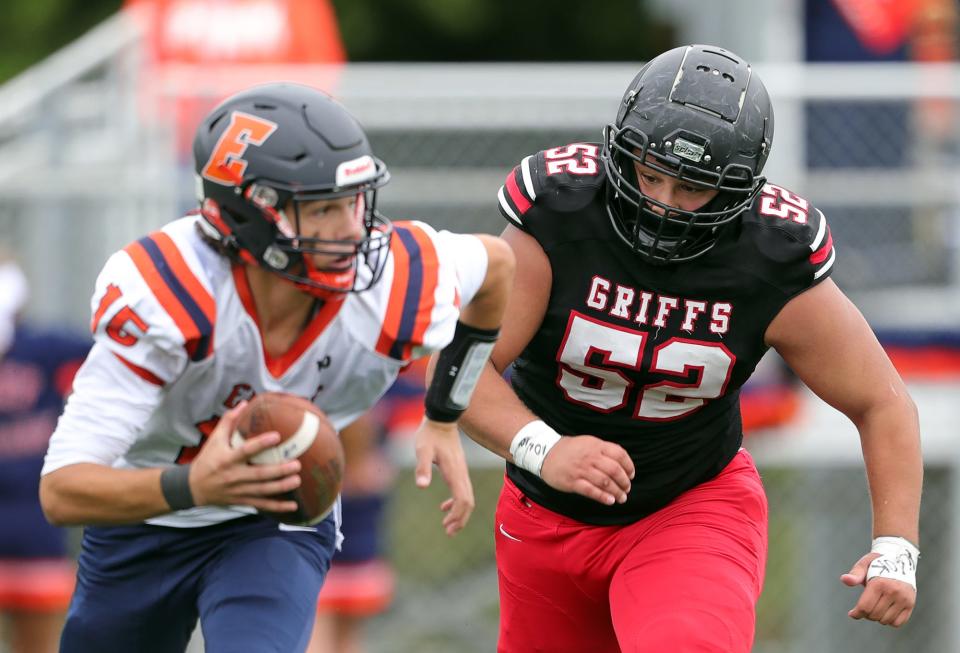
[363, 259]
[658, 232]
[271, 207]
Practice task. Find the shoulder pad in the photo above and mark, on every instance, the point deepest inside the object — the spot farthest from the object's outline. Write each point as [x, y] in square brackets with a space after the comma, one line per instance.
[791, 231]
[418, 296]
[153, 308]
[561, 179]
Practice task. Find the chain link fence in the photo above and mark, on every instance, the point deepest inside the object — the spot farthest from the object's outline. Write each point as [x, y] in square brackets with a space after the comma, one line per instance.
[93, 157]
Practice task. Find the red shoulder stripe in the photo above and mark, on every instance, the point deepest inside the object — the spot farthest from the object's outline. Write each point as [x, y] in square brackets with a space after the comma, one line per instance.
[821, 254]
[516, 195]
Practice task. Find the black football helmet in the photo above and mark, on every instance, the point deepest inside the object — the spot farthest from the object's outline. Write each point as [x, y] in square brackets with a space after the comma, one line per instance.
[279, 145]
[700, 114]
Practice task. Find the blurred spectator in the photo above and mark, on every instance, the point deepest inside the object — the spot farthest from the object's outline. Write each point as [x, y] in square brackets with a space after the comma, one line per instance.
[771, 397]
[360, 583]
[36, 371]
[936, 39]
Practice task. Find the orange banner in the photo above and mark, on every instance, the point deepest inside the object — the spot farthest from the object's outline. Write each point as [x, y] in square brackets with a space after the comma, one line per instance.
[241, 31]
[882, 26]
[200, 51]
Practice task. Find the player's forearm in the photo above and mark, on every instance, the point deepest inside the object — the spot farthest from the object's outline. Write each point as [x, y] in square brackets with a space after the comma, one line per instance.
[890, 438]
[86, 493]
[495, 413]
[485, 310]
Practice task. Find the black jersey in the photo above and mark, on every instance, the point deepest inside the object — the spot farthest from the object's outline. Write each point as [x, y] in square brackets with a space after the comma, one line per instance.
[650, 357]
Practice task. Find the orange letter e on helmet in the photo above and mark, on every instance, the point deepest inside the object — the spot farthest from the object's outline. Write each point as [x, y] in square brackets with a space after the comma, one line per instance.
[226, 165]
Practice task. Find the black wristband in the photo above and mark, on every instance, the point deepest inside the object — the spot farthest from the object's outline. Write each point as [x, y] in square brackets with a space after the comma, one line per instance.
[458, 369]
[175, 485]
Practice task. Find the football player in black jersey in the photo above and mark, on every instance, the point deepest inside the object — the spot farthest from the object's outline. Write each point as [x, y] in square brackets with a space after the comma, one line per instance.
[654, 270]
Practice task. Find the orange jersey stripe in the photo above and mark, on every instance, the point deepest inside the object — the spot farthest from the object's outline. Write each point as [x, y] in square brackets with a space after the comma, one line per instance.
[162, 291]
[186, 276]
[431, 277]
[401, 277]
[177, 289]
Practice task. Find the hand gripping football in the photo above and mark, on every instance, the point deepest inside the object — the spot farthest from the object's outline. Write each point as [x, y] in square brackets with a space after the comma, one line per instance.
[305, 434]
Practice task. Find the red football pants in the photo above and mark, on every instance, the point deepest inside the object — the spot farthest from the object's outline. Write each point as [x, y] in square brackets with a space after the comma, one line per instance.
[685, 579]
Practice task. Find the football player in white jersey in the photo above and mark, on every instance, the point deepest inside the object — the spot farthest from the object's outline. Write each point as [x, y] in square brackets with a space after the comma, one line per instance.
[287, 279]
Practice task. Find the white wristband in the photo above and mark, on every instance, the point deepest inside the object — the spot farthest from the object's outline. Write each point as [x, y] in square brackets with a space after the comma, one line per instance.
[898, 560]
[531, 444]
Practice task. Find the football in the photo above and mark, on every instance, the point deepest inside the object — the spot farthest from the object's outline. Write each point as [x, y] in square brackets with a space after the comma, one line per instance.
[305, 434]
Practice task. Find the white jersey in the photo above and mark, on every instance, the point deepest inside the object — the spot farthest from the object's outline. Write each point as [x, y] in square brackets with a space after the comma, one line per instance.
[177, 343]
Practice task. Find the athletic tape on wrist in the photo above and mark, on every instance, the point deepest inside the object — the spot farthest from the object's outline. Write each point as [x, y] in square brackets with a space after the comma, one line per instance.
[898, 560]
[531, 445]
[175, 485]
